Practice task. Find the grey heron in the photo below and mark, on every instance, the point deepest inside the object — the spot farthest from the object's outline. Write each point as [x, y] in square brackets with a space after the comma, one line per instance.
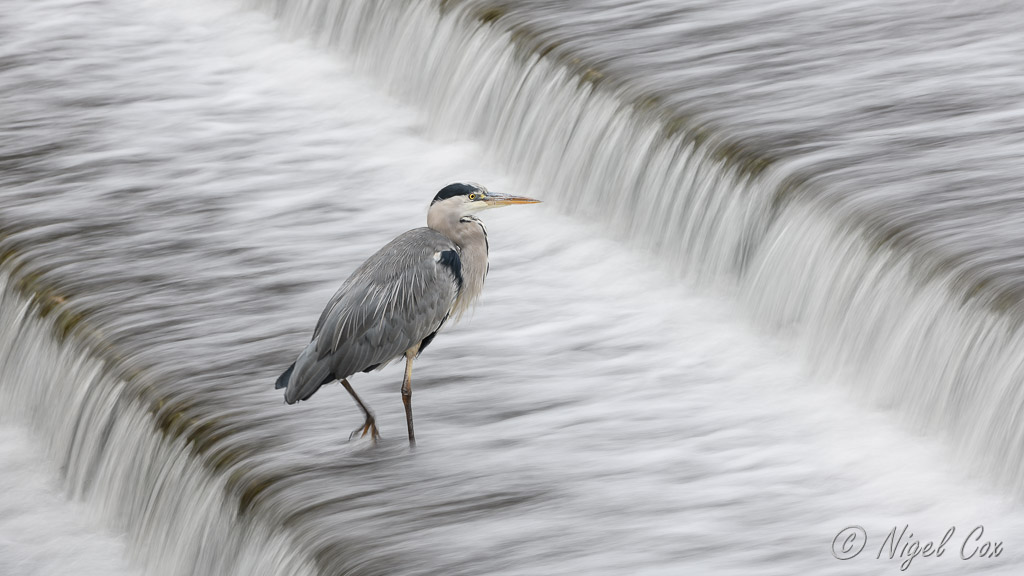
[396, 301]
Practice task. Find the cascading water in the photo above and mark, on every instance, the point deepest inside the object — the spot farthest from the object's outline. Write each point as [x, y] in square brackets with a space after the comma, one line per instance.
[183, 191]
[910, 323]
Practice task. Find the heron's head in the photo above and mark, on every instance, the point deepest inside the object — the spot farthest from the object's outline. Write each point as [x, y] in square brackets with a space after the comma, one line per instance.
[466, 199]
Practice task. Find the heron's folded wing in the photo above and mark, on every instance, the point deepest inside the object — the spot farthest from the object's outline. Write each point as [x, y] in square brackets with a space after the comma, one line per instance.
[398, 297]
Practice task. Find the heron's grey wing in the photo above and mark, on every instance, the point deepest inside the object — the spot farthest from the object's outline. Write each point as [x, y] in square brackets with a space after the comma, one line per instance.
[392, 302]
[398, 297]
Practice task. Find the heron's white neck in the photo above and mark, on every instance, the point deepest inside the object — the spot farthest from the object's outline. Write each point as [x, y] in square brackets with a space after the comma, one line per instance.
[469, 234]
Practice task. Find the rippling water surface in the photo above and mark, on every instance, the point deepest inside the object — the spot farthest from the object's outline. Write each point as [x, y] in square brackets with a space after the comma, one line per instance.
[649, 385]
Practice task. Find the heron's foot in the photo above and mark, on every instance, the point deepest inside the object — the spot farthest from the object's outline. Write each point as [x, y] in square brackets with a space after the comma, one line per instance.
[368, 427]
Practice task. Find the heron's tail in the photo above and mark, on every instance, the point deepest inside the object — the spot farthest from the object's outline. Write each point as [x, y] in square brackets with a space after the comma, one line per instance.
[282, 380]
[303, 378]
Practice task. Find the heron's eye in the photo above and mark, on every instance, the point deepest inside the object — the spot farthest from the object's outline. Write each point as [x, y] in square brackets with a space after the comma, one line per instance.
[472, 196]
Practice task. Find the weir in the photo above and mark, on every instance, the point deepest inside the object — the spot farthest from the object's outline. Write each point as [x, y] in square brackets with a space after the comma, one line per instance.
[903, 323]
[123, 446]
[174, 193]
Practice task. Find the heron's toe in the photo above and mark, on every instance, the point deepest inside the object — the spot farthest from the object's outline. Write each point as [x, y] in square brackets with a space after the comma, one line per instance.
[368, 427]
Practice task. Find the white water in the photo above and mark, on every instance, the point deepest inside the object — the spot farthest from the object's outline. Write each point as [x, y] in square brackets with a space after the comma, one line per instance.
[41, 532]
[202, 186]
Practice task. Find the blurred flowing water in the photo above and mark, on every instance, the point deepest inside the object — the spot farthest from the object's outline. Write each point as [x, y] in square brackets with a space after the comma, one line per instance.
[773, 291]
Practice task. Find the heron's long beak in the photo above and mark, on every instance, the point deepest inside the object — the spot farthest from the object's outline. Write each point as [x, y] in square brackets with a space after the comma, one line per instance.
[495, 200]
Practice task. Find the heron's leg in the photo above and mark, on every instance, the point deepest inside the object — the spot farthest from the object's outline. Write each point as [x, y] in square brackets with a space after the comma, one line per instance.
[370, 425]
[407, 393]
